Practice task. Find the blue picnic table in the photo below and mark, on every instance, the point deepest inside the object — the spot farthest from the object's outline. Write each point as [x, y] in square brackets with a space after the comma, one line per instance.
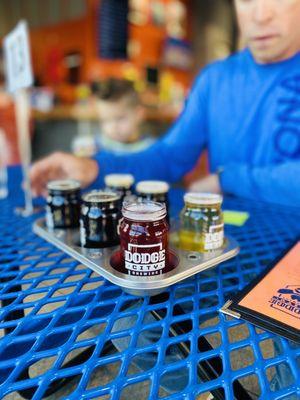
[51, 304]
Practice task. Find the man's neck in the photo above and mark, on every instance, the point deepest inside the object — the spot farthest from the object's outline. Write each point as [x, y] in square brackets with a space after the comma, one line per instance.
[274, 60]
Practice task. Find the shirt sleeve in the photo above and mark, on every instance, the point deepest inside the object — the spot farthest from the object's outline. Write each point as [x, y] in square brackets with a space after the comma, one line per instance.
[174, 154]
[278, 183]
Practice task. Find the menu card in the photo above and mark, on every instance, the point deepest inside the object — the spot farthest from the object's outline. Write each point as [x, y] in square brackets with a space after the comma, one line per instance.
[272, 301]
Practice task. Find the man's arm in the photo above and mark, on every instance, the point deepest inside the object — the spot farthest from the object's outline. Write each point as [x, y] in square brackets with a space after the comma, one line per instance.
[276, 183]
[173, 155]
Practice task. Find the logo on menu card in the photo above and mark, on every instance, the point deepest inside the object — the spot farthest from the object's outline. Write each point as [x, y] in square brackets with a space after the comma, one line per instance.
[287, 300]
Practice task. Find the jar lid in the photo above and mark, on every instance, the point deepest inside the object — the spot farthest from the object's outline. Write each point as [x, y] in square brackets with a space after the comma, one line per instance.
[119, 180]
[63, 185]
[144, 211]
[152, 187]
[203, 198]
[100, 196]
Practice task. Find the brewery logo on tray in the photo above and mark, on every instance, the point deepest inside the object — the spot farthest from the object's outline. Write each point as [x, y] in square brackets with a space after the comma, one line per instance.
[287, 300]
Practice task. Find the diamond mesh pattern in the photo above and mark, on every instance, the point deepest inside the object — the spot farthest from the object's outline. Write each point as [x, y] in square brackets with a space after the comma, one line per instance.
[53, 308]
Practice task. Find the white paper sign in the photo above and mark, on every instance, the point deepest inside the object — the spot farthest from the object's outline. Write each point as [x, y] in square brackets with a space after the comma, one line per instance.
[17, 58]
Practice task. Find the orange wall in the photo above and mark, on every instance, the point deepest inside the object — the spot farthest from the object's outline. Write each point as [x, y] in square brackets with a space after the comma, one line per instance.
[58, 39]
[80, 35]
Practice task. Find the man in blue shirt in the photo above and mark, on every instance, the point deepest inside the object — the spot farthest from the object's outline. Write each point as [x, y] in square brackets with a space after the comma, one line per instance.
[245, 110]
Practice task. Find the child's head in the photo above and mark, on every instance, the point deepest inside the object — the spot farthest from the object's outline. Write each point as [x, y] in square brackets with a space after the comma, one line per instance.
[120, 111]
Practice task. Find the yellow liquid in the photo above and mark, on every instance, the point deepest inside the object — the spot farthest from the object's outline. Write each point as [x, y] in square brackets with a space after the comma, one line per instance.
[191, 241]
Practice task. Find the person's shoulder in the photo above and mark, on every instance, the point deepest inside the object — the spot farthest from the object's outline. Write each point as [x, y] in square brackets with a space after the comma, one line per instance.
[222, 72]
[232, 63]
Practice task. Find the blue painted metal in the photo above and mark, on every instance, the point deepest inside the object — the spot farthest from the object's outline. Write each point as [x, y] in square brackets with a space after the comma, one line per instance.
[35, 275]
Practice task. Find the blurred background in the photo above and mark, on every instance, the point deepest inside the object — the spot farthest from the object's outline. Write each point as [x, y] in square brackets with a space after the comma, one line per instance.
[157, 45]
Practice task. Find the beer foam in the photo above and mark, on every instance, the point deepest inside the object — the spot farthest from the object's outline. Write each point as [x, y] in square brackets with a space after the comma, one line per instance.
[144, 211]
[100, 196]
[119, 180]
[203, 198]
[152, 187]
[63, 184]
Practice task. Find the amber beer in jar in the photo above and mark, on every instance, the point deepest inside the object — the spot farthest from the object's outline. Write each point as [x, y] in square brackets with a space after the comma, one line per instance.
[201, 222]
[144, 238]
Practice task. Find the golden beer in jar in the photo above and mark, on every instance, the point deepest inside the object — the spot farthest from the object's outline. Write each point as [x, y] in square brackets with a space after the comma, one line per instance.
[201, 222]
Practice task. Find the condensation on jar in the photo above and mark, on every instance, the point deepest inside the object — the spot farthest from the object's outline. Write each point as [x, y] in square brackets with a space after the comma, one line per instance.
[63, 204]
[201, 222]
[100, 216]
[144, 238]
[154, 191]
[119, 183]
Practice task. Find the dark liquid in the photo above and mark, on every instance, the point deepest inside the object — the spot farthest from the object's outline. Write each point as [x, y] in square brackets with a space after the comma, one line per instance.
[144, 247]
[63, 209]
[99, 227]
[121, 191]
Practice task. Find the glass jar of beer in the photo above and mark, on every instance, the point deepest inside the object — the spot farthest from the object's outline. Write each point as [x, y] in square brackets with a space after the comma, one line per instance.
[201, 222]
[120, 183]
[63, 204]
[100, 216]
[155, 191]
[144, 238]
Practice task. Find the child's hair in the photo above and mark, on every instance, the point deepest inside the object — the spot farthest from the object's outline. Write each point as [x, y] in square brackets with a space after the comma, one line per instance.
[116, 89]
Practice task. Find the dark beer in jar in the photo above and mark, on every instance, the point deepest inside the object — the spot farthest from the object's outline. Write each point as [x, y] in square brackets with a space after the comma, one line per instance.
[63, 204]
[100, 215]
[119, 183]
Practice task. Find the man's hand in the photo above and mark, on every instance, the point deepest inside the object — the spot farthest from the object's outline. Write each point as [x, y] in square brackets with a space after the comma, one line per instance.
[209, 184]
[62, 166]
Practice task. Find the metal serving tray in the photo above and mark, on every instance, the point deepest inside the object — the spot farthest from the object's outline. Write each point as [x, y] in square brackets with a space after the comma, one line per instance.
[190, 263]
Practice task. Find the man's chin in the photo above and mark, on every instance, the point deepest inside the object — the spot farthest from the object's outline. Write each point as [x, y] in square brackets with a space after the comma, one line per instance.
[266, 56]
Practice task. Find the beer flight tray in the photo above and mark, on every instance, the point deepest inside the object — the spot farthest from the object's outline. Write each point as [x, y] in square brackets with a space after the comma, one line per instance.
[99, 260]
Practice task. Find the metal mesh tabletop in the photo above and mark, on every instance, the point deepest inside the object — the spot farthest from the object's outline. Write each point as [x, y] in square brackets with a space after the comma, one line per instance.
[56, 310]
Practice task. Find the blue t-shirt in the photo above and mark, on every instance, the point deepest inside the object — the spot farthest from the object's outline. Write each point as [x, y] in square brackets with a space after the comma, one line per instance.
[248, 117]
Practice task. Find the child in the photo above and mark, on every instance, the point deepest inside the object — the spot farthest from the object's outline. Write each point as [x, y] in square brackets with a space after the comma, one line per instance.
[121, 116]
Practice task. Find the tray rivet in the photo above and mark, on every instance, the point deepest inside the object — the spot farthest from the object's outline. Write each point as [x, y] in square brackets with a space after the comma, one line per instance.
[95, 254]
